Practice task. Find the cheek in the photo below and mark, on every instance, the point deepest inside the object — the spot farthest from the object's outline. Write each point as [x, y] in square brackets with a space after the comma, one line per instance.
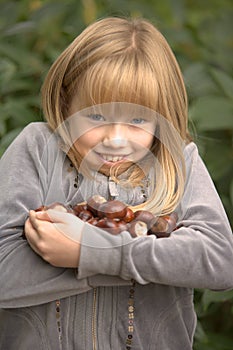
[143, 139]
[82, 145]
[149, 141]
[87, 142]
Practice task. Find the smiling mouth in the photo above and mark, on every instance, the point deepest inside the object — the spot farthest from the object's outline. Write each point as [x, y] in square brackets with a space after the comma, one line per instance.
[112, 158]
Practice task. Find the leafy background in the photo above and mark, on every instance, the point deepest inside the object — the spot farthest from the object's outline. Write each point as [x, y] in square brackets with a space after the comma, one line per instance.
[33, 33]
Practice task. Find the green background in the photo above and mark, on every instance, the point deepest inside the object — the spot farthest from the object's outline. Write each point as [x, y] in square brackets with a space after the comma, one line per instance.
[32, 35]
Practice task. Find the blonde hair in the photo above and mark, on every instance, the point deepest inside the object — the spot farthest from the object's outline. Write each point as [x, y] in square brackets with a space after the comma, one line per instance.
[125, 60]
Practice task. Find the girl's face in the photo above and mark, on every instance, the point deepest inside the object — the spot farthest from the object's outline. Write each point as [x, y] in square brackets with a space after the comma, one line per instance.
[112, 134]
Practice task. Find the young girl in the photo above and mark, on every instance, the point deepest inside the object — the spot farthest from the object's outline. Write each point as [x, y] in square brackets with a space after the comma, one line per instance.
[116, 111]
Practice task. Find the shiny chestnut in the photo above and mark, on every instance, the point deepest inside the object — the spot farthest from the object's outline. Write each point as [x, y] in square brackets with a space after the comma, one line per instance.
[138, 228]
[110, 225]
[159, 228]
[94, 202]
[112, 209]
[129, 216]
[79, 207]
[145, 216]
[85, 215]
[171, 220]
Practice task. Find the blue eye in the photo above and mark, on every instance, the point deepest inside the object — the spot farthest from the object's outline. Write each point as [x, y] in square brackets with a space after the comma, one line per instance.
[96, 117]
[138, 121]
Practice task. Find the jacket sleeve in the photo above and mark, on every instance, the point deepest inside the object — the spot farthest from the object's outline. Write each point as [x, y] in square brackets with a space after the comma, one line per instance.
[199, 254]
[26, 279]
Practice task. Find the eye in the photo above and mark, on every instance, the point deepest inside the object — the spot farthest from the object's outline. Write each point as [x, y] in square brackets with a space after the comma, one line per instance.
[96, 117]
[138, 121]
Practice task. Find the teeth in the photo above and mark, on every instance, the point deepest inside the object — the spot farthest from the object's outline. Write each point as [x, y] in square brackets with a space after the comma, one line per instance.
[110, 158]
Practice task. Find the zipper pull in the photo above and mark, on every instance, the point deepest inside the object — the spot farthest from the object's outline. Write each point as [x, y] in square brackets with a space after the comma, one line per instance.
[112, 188]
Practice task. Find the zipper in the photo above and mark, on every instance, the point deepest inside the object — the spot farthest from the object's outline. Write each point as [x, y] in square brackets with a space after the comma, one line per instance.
[112, 187]
[58, 320]
[93, 322]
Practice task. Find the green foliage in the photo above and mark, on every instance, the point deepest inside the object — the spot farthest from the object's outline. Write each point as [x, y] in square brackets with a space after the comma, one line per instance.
[34, 32]
[32, 36]
[215, 320]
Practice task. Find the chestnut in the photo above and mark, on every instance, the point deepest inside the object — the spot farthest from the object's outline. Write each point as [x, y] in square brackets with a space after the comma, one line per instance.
[115, 217]
[162, 234]
[138, 228]
[109, 225]
[79, 207]
[93, 221]
[94, 202]
[159, 228]
[129, 216]
[85, 215]
[123, 226]
[112, 209]
[144, 215]
[171, 220]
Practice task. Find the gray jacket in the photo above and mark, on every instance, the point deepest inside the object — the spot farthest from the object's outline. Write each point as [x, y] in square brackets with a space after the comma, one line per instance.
[49, 308]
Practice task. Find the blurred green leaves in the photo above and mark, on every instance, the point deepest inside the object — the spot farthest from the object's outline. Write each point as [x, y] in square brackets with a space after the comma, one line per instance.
[34, 32]
[215, 320]
[209, 297]
[218, 111]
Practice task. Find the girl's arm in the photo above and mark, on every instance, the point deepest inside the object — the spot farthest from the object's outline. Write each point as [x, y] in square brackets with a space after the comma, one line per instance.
[26, 279]
[199, 254]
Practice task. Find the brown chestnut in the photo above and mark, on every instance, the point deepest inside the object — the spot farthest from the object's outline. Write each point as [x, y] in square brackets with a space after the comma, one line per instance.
[79, 207]
[93, 221]
[171, 220]
[129, 216]
[138, 228]
[144, 215]
[115, 217]
[112, 209]
[85, 215]
[109, 225]
[123, 226]
[94, 202]
[159, 228]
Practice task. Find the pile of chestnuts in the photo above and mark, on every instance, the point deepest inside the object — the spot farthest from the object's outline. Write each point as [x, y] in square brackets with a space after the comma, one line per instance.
[115, 216]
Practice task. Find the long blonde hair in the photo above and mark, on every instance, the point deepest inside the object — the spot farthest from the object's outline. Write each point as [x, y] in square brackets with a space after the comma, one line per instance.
[125, 60]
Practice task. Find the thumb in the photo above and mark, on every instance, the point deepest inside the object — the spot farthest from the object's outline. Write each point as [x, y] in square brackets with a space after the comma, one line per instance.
[52, 215]
[43, 215]
[56, 216]
[68, 224]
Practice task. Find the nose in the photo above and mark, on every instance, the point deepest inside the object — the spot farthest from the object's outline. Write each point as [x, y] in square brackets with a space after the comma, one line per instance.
[116, 136]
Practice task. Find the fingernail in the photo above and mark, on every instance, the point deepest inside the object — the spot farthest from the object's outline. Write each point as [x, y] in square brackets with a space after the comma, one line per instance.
[38, 213]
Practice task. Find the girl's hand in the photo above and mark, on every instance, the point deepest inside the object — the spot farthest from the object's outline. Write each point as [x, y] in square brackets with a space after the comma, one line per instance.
[55, 236]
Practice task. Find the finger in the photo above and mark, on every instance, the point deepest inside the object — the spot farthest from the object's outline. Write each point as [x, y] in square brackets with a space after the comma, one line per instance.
[33, 219]
[67, 224]
[31, 235]
[60, 217]
[43, 215]
[30, 232]
[27, 227]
